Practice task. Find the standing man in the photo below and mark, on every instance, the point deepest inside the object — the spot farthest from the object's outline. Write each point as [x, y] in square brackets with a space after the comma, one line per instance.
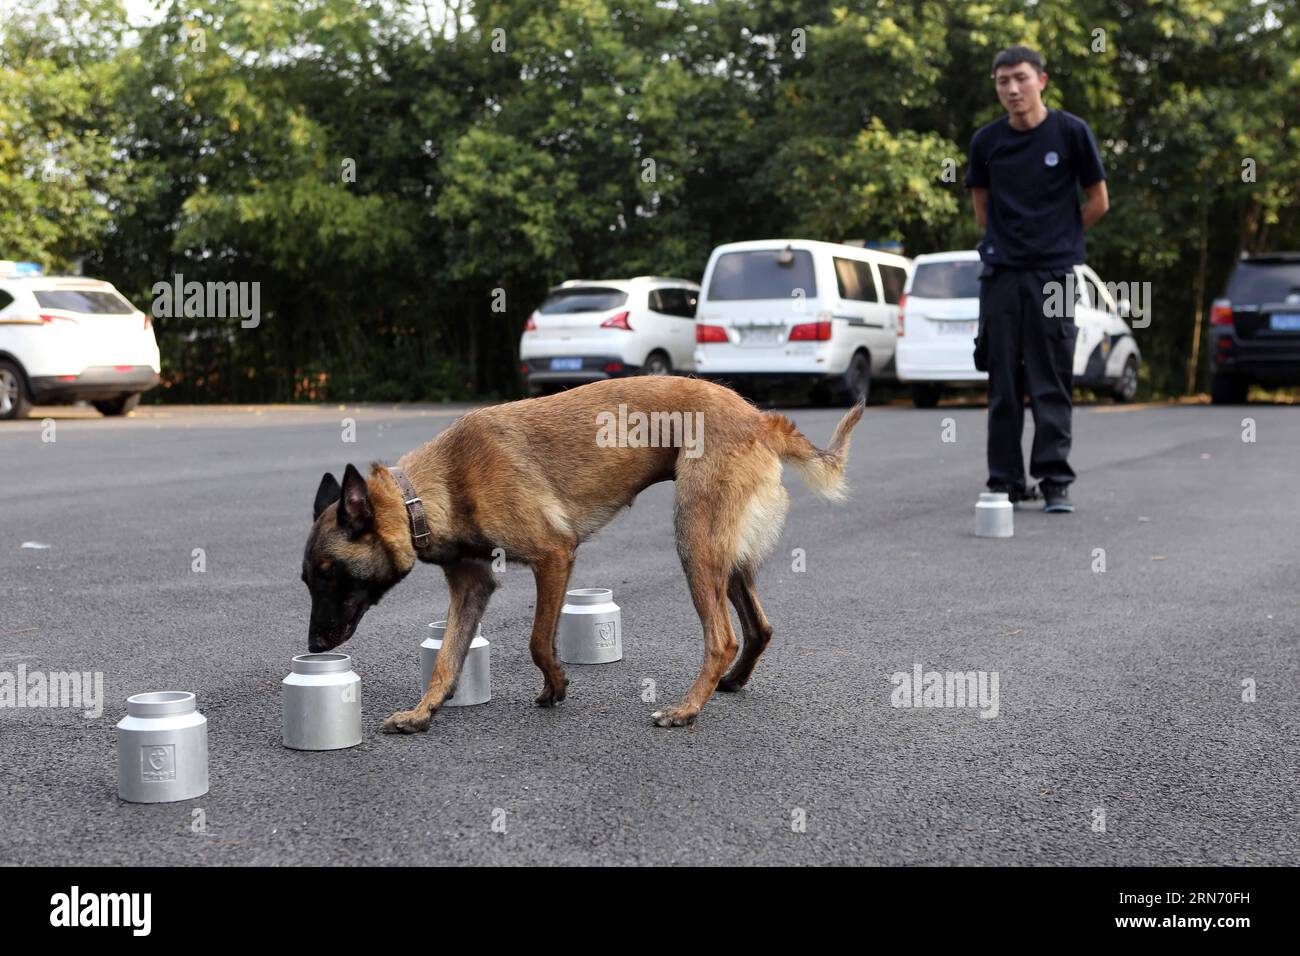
[1024, 175]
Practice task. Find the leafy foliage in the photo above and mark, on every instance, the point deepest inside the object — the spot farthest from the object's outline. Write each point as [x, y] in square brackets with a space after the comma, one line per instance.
[392, 172]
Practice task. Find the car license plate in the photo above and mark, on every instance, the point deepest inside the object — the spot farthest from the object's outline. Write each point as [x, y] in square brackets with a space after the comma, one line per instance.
[958, 328]
[762, 335]
[566, 364]
[1284, 322]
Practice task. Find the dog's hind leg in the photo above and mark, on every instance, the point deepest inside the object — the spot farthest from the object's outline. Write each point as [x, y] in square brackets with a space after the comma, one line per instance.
[471, 584]
[725, 520]
[707, 577]
[552, 574]
[753, 624]
[760, 528]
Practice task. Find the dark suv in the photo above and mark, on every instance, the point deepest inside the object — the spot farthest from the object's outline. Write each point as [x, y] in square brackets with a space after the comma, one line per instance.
[1256, 327]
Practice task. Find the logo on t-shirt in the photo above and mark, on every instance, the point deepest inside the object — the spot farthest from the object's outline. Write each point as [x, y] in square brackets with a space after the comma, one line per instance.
[1051, 159]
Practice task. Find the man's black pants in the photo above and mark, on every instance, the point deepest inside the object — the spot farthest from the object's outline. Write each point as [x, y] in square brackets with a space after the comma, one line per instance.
[1027, 330]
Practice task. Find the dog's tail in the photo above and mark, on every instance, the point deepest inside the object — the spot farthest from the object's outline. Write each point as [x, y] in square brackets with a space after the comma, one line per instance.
[822, 470]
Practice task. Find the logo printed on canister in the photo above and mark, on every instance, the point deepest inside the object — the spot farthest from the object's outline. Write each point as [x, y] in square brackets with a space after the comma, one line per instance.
[158, 762]
[605, 634]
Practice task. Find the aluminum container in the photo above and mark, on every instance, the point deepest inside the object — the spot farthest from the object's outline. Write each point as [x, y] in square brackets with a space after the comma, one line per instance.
[320, 703]
[993, 515]
[475, 683]
[591, 627]
[162, 749]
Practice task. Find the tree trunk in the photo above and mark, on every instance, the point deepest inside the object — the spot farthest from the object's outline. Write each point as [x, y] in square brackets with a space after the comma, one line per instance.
[1198, 326]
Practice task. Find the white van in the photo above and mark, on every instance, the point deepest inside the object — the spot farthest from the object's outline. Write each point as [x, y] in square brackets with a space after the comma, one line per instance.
[796, 310]
[69, 339]
[941, 310]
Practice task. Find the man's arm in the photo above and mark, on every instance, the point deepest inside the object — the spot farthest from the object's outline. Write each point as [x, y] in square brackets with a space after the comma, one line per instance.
[1098, 201]
[980, 197]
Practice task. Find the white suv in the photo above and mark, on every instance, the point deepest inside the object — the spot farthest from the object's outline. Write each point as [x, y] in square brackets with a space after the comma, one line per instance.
[70, 339]
[591, 329]
[940, 319]
[820, 314]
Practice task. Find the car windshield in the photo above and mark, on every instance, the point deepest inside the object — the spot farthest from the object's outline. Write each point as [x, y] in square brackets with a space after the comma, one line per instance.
[83, 301]
[582, 299]
[1257, 283]
[947, 280]
[761, 275]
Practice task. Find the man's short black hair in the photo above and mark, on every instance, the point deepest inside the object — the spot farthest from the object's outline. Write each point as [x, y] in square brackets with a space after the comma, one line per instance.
[1014, 55]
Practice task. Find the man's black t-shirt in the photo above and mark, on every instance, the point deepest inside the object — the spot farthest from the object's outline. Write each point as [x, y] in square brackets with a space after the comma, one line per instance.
[1033, 178]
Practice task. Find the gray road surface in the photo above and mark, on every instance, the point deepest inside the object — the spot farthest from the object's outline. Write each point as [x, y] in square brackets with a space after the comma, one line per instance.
[1119, 692]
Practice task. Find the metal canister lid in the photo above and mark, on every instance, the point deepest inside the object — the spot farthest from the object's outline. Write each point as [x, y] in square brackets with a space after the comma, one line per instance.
[435, 641]
[322, 664]
[589, 596]
[165, 703]
[440, 628]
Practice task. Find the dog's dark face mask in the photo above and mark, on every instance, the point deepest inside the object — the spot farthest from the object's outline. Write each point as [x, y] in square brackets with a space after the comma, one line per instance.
[345, 566]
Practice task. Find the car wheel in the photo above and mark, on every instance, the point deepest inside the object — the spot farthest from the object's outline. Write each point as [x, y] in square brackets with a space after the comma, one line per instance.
[657, 363]
[926, 394]
[114, 407]
[14, 402]
[1126, 388]
[1228, 389]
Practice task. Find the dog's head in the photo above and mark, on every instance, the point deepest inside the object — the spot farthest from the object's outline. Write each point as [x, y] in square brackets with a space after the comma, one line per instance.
[345, 566]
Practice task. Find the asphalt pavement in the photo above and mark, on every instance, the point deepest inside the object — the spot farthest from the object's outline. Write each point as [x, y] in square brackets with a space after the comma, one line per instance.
[1147, 713]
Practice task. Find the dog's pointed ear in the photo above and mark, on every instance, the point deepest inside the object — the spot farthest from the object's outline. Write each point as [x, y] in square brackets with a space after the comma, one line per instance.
[326, 495]
[355, 512]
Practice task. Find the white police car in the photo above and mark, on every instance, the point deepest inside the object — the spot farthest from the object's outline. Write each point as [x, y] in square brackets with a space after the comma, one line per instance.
[65, 339]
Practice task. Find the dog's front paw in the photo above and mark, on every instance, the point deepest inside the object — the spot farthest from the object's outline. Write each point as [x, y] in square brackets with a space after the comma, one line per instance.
[730, 685]
[552, 695]
[674, 717]
[407, 722]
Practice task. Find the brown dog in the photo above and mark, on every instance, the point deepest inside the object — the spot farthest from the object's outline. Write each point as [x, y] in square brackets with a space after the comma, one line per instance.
[534, 479]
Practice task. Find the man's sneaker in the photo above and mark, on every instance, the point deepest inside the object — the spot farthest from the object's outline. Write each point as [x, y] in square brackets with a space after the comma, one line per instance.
[1057, 497]
[1016, 495]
